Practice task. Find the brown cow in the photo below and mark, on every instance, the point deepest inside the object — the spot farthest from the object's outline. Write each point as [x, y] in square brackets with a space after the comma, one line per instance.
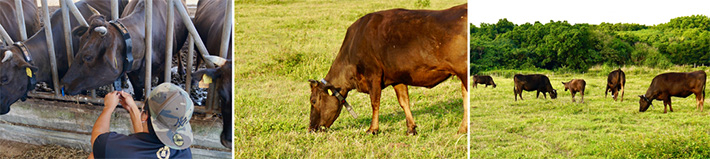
[487, 80]
[615, 83]
[676, 84]
[395, 47]
[9, 20]
[16, 87]
[103, 49]
[534, 82]
[575, 85]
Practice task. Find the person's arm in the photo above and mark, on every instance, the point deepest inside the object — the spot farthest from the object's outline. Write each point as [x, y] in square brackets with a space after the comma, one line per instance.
[130, 106]
[103, 123]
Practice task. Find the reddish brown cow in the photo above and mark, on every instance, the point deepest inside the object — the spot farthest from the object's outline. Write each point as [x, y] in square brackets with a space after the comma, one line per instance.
[396, 48]
[615, 83]
[574, 86]
[676, 84]
[534, 82]
[487, 80]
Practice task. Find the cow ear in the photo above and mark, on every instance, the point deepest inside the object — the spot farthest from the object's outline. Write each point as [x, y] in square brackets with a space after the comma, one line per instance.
[197, 76]
[79, 31]
[313, 83]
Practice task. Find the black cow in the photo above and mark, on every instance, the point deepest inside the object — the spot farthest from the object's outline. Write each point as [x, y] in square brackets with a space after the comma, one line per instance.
[615, 83]
[487, 80]
[9, 20]
[222, 76]
[102, 54]
[534, 82]
[15, 83]
[396, 48]
[676, 84]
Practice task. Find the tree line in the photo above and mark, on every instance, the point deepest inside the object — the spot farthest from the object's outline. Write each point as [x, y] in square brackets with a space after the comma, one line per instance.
[560, 46]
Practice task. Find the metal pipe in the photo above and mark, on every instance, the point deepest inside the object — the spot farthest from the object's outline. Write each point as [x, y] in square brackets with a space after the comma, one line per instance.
[76, 13]
[227, 29]
[188, 66]
[114, 9]
[67, 32]
[85, 99]
[5, 37]
[169, 40]
[19, 13]
[191, 28]
[148, 45]
[50, 47]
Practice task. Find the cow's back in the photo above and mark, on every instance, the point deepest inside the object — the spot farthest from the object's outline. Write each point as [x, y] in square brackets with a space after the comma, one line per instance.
[9, 20]
[413, 47]
[209, 21]
[678, 84]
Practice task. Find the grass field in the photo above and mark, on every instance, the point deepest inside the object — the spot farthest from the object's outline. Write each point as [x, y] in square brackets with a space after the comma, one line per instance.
[280, 44]
[600, 127]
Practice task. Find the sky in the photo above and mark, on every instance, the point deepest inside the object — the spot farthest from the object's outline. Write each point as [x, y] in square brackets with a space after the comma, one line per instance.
[649, 12]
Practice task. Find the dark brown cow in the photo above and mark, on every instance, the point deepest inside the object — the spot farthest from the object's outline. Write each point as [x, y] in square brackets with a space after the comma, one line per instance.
[534, 82]
[676, 84]
[100, 59]
[9, 20]
[615, 83]
[222, 76]
[209, 21]
[396, 47]
[575, 85]
[16, 85]
[487, 80]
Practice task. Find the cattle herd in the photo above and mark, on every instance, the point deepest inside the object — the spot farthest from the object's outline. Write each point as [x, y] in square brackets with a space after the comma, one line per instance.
[663, 87]
[108, 49]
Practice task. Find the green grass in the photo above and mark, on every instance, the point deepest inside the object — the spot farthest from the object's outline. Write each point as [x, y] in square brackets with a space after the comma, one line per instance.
[280, 44]
[600, 127]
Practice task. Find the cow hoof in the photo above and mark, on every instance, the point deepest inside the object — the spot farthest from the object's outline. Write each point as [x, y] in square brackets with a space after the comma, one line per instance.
[373, 132]
[412, 132]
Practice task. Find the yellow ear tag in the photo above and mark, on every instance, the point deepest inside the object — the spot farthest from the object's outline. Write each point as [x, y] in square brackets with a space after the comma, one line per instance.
[330, 92]
[29, 72]
[205, 82]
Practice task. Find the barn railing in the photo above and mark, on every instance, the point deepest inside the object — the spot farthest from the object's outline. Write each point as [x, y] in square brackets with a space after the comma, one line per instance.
[69, 8]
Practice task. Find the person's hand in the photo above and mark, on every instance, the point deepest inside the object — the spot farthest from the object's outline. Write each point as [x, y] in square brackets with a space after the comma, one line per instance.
[127, 102]
[111, 100]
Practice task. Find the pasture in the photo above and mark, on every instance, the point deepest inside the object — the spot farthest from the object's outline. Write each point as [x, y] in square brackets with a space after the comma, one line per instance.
[558, 128]
[280, 44]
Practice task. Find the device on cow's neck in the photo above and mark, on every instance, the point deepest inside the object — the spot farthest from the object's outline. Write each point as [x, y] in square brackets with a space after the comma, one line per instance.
[128, 61]
[340, 98]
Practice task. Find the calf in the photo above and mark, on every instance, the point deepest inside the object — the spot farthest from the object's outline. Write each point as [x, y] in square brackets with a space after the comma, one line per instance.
[487, 80]
[615, 83]
[574, 86]
[534, 82]
[676, 84]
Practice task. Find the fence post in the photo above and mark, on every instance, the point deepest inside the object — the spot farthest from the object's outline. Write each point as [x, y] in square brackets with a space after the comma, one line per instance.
[188, 66]
[148, 46]
[5, 37]
[19, 13]
[114, 9]
[227, 29]
[169, 41]
[50, 47]
[67, 30]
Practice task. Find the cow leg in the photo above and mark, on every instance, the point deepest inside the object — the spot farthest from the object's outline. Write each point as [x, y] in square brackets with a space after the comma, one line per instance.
[375, 93]
[582, 94]
[138, 83]
[515, 93]
[615, 94]
[538, 94]
[573, 96]
[700, 100]
[666, 104]
[403, 98]
[466, 103]
[544, 94]
[606, 91]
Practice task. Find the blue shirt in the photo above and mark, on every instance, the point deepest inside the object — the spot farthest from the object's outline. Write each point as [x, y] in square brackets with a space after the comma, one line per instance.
[138, 145]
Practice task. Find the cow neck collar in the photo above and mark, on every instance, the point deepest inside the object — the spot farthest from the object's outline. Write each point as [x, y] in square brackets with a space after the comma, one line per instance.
[128, 53]
[340, 98]
[32, 77]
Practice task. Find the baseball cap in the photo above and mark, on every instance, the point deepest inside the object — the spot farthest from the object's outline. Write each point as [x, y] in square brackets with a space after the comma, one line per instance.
[170, 113]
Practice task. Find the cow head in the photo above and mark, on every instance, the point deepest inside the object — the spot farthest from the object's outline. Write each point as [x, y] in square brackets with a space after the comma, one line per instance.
[14, 79]
[99, 60]
[644, 103]
[566, 85]
[222, 76]
[553, 94]
[325, 107]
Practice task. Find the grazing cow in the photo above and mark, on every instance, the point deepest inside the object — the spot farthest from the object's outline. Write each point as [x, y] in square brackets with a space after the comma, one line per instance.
[615, 83]
[209, 21]
[534, 82]
[16, 85]
[104, 53]
[676, 84]
[575, 85]
[9, 20]
[222, 76]
[395, 47]
[487, 80]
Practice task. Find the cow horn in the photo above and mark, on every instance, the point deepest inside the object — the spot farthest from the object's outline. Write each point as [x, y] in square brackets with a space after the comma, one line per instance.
[8, 54]
[219, 61]
[102, 30]
[93, 10]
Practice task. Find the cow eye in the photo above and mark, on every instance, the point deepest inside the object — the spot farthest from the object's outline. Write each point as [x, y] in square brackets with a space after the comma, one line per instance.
[4, 80]
[313, 102]
[88, 58]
